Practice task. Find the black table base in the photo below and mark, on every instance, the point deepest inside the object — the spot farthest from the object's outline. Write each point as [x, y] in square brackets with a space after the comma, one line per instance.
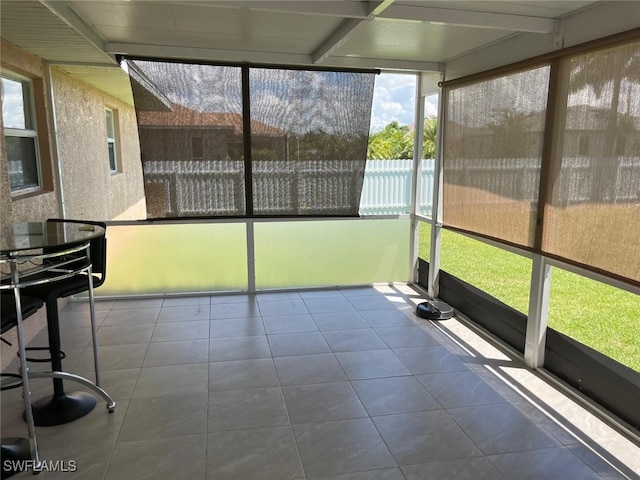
[59, 409]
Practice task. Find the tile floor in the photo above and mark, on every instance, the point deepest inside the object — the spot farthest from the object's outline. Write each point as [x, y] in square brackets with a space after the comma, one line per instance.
[342, 384]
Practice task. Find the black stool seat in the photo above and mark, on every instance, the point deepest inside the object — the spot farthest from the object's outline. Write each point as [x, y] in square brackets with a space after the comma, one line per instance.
[8, 309]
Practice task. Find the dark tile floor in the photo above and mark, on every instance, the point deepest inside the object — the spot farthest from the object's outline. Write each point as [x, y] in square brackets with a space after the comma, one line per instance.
[341, 384]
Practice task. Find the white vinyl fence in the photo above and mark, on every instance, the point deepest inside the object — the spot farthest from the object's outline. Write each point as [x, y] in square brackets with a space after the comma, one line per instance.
[207, 187]
[387, 187]
[193, 187]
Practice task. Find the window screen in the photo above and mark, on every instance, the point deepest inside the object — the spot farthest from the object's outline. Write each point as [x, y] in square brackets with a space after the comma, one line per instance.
[493, 152]
[569, 189]
[189, 119]
[593, 214]
[239, 140]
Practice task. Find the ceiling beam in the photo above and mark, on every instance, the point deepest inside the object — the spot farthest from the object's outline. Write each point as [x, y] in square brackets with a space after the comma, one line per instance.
[235, 56]
[70, 18]
[468, 18]
[206, 54]
[340, 34]
[335, 39]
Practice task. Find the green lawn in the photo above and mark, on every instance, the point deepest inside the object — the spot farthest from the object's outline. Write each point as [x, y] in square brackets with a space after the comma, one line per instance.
[600, 316]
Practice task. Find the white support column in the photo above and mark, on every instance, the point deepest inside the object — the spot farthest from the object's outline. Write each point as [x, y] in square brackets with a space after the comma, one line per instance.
[56, 147]
[251, 257]
[538, 312]
[414, 238]
[436, 208]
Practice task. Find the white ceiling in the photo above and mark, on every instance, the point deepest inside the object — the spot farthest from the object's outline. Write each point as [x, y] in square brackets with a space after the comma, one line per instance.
[390, 35]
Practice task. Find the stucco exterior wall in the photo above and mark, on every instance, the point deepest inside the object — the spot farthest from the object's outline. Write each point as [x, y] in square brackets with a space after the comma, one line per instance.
[43, 204]
[90, 190]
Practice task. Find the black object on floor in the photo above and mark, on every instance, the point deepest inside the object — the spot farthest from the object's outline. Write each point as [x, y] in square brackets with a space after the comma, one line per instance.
[15, 454]
[434, 310]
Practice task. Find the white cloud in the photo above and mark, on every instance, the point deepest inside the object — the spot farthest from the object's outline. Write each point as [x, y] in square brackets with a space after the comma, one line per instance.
[13, 104]
[431, 106]
[394, 99]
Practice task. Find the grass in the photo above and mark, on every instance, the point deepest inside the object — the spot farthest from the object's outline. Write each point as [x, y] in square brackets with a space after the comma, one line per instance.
[598, 315]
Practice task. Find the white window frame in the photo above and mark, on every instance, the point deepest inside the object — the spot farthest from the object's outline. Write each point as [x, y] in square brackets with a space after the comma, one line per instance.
[112, 142]
[29, 106]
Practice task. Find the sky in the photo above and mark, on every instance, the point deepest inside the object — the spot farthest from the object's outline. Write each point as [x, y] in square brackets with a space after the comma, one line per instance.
[394, 99]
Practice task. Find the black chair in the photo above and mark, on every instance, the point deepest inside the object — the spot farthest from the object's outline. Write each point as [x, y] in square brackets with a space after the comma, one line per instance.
[31, 271]
[63, 407]
[14, 448]
[9, 317]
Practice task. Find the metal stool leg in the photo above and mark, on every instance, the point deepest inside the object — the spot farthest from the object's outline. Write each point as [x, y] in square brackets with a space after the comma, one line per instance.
[24, 372]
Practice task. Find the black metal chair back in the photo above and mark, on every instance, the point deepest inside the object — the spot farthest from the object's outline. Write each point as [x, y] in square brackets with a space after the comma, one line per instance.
[98, 251]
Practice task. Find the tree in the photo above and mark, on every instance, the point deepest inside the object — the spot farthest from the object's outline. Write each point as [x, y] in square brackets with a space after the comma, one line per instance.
[395, 141]
[392, 142]
[429, 138]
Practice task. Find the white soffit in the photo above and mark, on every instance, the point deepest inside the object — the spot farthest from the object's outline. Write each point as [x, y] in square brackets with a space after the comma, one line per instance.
[112, 80]
[34, 27]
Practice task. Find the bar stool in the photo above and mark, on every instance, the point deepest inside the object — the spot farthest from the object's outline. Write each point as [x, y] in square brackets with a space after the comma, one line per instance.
[63, 407]
[32, 270]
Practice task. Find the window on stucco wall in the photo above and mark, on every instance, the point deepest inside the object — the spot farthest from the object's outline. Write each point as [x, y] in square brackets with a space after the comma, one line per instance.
[21, 135]
[112, 141]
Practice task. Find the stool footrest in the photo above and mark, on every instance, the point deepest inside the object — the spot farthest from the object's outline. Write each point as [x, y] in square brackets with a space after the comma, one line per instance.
[56, 354]
[11, 384]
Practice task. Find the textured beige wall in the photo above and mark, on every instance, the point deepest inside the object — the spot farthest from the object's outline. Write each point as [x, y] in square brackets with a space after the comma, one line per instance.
[43, 204]
[90, 189]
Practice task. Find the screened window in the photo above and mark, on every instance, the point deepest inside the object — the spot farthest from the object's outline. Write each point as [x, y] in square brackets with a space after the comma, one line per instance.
[21, 136]
[239, 140]
[592, 216]
[556, 175]
[111, 140]
[493, 151]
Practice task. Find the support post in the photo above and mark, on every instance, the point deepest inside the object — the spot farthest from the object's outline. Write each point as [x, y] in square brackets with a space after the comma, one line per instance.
[416, 184]
[436, 208]
[538, 312]
[251, 257]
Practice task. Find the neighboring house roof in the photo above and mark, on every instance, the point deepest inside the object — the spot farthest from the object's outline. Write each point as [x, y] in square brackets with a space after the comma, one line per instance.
[181, 116]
